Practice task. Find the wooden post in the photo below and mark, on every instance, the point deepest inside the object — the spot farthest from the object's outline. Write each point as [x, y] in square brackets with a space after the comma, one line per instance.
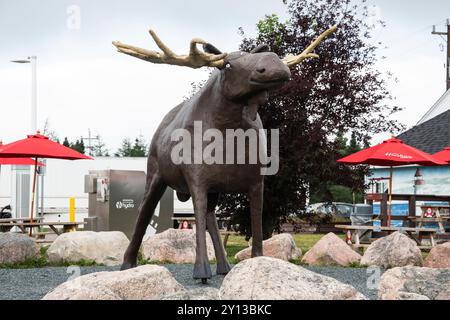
[412, 210]
[33, 194]
[384, 210]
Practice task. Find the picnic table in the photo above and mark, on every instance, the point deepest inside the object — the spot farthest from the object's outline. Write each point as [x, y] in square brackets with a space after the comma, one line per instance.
[417, 234]
[11, 221]
[433, 213]
[23, 225]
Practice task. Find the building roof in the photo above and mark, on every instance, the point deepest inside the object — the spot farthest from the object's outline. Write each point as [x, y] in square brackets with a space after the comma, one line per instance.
[432, 135]
[441, 106]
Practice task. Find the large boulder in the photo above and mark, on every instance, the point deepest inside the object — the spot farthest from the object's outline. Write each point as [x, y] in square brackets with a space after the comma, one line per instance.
[202, 293]
[105, 248]
[331, 251]
[415, 283]
[17, 248]
[281, 246]
[396, 250]
[266, 278]
[439, 257]
[149, 282]
[174, 246]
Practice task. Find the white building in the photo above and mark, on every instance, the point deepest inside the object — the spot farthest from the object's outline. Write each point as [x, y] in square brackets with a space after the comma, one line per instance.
[63, 180]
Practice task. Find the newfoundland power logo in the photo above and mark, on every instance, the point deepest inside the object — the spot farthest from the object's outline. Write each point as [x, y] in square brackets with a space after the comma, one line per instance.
[398, 155]
[125, 204]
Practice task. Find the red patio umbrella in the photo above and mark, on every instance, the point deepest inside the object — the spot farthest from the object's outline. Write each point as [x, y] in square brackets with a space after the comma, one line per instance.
[39, 146]
[443, 155]
[17, 161]
[391, 153]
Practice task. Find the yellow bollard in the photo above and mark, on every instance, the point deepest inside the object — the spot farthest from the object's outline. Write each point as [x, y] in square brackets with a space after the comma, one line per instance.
[72, 210]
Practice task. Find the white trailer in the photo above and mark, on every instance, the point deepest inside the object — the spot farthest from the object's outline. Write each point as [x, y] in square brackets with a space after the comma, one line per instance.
[63, 180]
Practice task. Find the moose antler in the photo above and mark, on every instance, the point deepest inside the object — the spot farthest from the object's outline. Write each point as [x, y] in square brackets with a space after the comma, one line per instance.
[291, 60]
[196, 58]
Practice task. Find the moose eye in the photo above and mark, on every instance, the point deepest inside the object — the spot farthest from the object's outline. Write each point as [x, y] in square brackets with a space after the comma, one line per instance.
[228, 65]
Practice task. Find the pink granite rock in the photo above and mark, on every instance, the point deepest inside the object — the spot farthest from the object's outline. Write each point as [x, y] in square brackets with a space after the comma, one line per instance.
[281, 246]
[439, 257]
[331, 250]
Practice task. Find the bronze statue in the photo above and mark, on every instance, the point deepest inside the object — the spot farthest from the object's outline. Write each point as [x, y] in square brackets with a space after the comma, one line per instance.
[229, 100]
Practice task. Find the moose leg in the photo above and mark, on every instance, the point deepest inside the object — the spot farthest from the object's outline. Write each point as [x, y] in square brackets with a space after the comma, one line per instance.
[256, 206]
[202, 269]
[223, 267]
[155, 190]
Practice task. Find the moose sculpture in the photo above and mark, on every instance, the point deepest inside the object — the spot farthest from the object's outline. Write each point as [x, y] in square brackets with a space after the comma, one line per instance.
[229, 100]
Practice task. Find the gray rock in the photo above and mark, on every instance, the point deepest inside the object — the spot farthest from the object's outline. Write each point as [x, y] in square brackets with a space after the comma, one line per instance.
[331, 251]
[105, 248]
[267, 278]
[281, 246]
[396, 250]
[207, 293]
[398, 283]
[411, 296]
[16, 248]
[148, 282]
[174, 246]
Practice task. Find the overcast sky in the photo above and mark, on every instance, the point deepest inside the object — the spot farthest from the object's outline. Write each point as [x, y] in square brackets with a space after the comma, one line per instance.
[83, 83]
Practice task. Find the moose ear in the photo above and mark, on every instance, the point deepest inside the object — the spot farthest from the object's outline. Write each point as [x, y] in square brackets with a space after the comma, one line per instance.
[209, 48]
[261, 48]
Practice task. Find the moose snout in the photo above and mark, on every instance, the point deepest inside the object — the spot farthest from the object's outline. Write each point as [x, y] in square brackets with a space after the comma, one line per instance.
[261, 69]
[270, 69]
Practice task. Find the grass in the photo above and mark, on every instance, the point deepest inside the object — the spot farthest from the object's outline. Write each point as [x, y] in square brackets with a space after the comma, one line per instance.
[303, 241]
[42, 261]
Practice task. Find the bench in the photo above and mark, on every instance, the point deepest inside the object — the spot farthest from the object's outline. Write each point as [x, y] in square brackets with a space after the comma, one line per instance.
[421, 233]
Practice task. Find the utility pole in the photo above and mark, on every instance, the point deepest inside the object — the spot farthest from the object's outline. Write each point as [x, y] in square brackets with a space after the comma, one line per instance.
[447, 34]
[90, 147]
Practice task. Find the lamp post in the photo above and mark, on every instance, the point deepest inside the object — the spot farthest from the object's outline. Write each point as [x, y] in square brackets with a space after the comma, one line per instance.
[33, 61]
[33, 114]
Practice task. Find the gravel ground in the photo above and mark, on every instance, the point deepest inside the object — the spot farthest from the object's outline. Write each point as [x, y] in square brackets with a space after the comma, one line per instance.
[33, 284]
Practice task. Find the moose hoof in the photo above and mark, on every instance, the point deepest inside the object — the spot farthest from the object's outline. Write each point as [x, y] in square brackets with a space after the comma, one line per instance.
[223, 269]
[204, 281]
[202, 271]
[127, 266]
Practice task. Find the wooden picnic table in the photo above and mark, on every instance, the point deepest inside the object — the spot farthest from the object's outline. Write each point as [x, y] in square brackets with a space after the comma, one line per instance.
[20, 220]
[66, 226]
[11, 221]
[421, 232]
[438, 216]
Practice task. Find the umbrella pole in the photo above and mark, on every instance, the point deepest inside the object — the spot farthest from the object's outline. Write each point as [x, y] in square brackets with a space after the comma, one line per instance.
[390, 197]
[33, 194]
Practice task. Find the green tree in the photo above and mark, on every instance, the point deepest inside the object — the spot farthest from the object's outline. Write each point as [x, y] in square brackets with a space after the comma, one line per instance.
[340, 92]
[100, 149]
[135, 149]
[66, 143]
[78, 146]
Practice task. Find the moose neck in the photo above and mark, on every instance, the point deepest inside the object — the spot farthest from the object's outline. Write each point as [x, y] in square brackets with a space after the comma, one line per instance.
[215, 109]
